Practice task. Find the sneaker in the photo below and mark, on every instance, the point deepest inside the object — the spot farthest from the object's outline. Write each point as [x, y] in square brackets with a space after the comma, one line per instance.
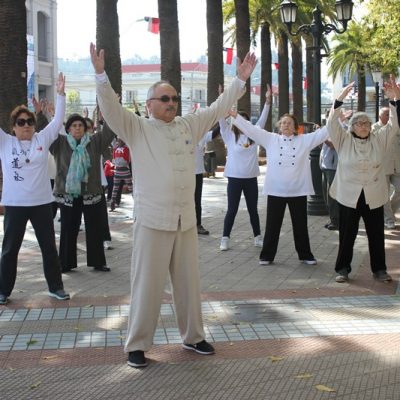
[202, 347]
[390, 225]
[201, 230]
[309, 262]
[258, 241]
[112, 206]
[382, 276]
[3, 299]
[136, 359]
[265, 262]
[107, 245]
[60, 295]
[224, 243]
[332, 227]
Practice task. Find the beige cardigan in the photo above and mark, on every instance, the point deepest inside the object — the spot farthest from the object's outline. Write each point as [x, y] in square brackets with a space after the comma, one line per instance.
[360, 166]
[163, 155]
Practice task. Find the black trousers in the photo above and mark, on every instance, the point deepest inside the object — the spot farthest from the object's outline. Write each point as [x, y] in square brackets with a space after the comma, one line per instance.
[349, 219]
[15, 220]
[275, 212]
[235, 188]
[197, 197]
[104, 219]
[70, 222]
[328, 175]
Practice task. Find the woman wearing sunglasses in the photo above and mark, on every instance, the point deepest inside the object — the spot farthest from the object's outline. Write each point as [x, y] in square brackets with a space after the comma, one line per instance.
[27, 194]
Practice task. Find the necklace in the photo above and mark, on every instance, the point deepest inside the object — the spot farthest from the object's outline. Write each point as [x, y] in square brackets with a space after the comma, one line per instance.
[25, 150]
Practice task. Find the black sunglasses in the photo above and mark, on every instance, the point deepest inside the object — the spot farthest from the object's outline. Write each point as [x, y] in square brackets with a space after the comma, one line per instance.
[21, 122]
[165, 98]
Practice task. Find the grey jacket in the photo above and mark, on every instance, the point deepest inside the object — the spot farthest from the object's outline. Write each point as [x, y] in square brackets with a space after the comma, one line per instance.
[62, 152]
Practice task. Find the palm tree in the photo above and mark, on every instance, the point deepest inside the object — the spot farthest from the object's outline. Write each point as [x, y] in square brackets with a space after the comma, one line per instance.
[107, 38]
[283, 73]
[215, 41]
[348, 57]
[297, 78]
[242, 14]
[169, 44]
[215, 77]
[13, 55]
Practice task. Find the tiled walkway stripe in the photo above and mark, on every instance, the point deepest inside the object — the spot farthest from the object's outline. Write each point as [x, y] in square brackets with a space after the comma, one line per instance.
[294, 321]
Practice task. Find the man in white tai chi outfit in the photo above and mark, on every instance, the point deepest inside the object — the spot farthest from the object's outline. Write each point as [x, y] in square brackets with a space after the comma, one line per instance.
[164, 232]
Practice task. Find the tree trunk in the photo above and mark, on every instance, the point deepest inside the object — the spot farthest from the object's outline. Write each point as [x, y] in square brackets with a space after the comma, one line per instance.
[266, 76]
[169, 44]
[297, 79]
[243, 45]
[215, 77]
[107, 38]
[283, 73]
[13, 56]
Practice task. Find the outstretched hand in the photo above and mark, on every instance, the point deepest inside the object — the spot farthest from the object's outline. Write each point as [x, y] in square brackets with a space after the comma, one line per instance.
[245, 68]
[60, 85]
[268, 94]
[97, 59]
[233, 113]
[392, 89]
[345, 92]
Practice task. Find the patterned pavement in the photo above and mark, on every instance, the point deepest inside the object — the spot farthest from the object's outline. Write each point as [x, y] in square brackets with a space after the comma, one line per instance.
[286, 331]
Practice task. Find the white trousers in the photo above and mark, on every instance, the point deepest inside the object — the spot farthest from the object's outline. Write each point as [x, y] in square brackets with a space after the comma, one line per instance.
[393, 204]
[155, 253]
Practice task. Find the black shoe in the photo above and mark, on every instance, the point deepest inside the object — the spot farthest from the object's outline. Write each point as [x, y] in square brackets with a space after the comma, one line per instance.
[103, 268]
[342, 276]
[382, 276]
[332, 227]
[202, 231]
[136, 359]
[3, 299]
[60, 295]
[202, 347]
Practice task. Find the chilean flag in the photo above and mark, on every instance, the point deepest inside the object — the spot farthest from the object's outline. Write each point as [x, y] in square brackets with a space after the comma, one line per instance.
[229, 55]
[154, 24]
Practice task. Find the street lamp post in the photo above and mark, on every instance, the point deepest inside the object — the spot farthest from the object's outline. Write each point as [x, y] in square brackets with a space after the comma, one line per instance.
[317, 29]
[377, 77]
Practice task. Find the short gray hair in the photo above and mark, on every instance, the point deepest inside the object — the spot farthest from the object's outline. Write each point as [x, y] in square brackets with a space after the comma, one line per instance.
[154, 86]
[358, 116]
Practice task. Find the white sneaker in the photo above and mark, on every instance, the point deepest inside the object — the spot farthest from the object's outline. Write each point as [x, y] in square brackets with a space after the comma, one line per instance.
[265, 262]
[224, 243]
[258, 241]
[107, 245]
[309, 262]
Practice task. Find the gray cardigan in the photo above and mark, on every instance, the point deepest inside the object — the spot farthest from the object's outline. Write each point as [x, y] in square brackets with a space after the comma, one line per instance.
[62, 152]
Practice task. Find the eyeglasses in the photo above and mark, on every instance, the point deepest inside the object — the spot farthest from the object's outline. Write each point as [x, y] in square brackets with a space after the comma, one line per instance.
[21, 122]
[165, 98]
[360, 124]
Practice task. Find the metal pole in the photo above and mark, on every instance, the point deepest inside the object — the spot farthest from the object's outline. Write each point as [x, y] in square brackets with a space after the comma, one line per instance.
[376, 101]
[315, 203]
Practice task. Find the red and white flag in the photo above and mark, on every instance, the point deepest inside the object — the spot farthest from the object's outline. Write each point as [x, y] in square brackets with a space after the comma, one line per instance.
[305, 83]
[229, 55]
[275, 66]
[153, 24]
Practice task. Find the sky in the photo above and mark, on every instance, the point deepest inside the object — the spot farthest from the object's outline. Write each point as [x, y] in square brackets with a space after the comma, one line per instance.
[76, 24]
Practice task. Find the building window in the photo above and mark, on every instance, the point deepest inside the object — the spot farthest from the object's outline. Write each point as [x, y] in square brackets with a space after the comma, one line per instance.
[43, 36]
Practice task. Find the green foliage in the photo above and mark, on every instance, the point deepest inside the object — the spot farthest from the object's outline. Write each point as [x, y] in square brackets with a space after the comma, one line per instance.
[74, 104]
[383, 43]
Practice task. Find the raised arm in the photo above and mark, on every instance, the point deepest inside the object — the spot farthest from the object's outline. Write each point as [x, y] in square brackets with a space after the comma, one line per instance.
[335, 129]
[254, 132]
[54, 126]
[265, 111]
[204, 119]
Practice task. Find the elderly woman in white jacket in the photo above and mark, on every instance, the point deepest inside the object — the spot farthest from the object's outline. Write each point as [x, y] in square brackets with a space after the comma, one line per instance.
[287, 182]
[360, 185]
